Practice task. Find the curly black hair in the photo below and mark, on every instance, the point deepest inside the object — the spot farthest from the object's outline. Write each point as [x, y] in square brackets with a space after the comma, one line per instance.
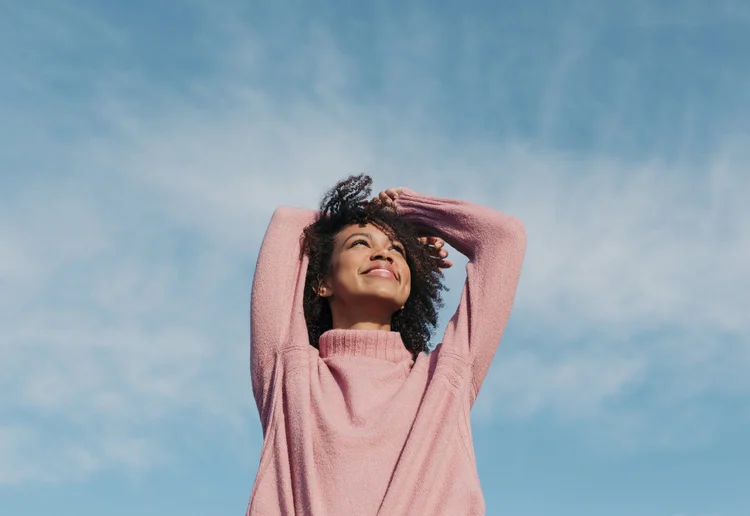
[348, 203]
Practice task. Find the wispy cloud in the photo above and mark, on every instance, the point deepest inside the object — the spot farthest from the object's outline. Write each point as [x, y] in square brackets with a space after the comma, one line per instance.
[127, 267]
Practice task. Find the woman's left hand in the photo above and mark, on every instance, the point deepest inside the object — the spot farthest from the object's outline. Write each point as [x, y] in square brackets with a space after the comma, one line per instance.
[388, 197]
[436, 245]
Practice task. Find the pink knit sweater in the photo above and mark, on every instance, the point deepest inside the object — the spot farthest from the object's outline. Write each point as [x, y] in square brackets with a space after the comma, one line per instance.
[357, 428]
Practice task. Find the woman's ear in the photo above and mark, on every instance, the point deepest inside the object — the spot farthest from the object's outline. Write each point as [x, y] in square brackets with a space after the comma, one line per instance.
[323, 290]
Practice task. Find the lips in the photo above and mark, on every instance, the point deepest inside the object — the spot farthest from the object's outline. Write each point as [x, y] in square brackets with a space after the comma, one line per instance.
[383, 270]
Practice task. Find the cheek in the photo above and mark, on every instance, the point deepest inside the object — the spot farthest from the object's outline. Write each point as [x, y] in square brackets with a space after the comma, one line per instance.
[406, 277]
[344, 269]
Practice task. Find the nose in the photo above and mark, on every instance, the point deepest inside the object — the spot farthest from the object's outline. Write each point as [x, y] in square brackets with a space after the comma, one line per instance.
[380, 254]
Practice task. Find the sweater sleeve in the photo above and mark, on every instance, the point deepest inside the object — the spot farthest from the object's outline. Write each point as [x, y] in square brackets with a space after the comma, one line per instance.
[495, 244]
[276, 314]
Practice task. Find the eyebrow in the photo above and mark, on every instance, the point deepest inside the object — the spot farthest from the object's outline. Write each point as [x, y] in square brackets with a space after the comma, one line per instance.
[369, 237]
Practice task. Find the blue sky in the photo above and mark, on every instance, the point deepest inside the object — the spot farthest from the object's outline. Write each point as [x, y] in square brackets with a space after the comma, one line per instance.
[144, 146]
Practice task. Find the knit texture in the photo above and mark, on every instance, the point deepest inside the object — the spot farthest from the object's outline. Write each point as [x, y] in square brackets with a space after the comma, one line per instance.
[357, 427]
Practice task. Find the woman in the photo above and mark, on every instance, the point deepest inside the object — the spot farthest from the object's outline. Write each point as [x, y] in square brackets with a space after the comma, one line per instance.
[358, 418]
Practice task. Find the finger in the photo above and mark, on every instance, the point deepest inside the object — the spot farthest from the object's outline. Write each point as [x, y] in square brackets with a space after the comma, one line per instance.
[446, 264]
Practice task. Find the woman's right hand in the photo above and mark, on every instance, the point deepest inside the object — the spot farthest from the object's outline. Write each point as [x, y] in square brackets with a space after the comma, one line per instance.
[437, 249]
[435, 244]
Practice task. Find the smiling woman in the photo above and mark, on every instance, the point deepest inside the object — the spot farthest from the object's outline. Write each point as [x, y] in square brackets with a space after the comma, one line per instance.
[350, 246]
[357, 415]
[369, 275]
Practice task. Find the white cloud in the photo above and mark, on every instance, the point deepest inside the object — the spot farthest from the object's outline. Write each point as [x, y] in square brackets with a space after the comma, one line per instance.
[636, 280]
[30, 455]
[573, 387]
[123, 269]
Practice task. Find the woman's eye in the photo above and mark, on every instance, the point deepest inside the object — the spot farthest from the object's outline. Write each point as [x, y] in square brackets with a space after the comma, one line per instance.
[398, 249]
[358, 242]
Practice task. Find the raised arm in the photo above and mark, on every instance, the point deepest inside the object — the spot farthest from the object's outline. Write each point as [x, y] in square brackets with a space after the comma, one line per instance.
[495, 244]
[276, 313]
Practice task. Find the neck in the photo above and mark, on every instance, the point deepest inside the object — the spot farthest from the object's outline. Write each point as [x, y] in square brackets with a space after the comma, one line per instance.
[360, 318]
[361, 325]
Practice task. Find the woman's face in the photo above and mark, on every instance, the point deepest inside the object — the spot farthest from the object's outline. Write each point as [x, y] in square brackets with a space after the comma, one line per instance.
[368, 268]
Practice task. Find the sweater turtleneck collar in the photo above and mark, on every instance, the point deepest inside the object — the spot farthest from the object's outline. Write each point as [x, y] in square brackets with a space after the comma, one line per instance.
[385, 345]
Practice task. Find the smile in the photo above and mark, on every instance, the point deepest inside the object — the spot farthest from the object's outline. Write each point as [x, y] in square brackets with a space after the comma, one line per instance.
[383, 273]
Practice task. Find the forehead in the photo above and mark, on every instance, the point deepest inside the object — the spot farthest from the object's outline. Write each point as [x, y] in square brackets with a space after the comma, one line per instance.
[369, 229]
